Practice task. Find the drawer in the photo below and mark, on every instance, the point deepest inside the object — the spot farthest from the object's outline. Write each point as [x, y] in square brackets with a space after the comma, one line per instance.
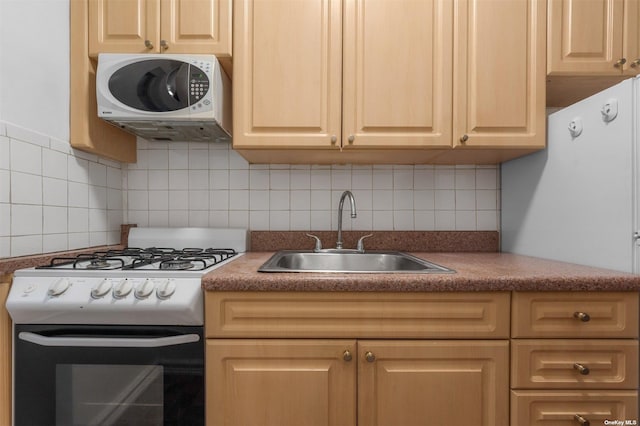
[552, 408]
[358, 314]
[575, 315]
[574, 364]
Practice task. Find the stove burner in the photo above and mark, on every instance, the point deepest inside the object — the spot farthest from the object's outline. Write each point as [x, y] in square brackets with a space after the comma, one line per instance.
[98, 264]
[176, 264]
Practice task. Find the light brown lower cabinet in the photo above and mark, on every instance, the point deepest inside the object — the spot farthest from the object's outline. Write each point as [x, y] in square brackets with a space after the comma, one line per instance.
[404, 359]
[574, 359]
[292, 382]
[573, 408]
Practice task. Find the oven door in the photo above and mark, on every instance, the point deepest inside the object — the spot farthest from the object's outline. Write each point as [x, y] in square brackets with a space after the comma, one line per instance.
[108, 375]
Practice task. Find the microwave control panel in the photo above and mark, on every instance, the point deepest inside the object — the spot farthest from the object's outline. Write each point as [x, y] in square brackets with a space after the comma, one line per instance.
[198, 82]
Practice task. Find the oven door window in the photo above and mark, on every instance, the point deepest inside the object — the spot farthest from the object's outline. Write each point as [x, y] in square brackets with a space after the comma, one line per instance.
[124, 395]
[154, 378]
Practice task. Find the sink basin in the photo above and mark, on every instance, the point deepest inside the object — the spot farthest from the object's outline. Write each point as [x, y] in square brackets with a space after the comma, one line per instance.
[387, 262]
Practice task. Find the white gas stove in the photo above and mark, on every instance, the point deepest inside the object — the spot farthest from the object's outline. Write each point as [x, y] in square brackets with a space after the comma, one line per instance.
[155, 281]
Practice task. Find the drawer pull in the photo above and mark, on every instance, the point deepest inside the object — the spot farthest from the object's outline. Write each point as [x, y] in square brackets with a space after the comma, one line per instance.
[347, 355]
[581, 369]
[581, 420]
[582, 316]
[370, 357]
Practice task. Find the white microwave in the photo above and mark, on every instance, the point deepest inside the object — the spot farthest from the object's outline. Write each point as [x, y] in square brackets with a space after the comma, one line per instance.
[167, 97]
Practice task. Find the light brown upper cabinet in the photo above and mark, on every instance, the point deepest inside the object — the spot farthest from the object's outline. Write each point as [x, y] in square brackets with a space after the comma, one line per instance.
[374, 81]
[499, 74]
[157, 26]
[594, 37]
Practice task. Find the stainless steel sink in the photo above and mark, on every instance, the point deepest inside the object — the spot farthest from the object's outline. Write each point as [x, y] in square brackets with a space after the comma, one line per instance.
[348, 261]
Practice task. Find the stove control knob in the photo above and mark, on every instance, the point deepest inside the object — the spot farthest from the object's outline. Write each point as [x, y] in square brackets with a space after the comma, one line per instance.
[145, 289]
[166, 289]
[122, 289]
[101, 289]
[59, 287]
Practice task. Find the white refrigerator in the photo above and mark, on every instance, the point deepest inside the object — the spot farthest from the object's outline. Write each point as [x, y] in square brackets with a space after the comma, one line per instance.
[577, 201]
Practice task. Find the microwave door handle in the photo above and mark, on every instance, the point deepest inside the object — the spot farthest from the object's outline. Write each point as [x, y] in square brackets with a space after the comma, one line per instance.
[108, 342]
[182, 84]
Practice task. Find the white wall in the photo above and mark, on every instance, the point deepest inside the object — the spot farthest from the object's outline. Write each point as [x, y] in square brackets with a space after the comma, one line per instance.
[34, 65]
[52, 197]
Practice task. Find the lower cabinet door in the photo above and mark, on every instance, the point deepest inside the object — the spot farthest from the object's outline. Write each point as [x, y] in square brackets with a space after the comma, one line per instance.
[573, 408]
[281, 382]
[433, 383]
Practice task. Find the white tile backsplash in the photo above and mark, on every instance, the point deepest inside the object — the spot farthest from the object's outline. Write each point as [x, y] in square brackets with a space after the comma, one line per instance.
[55, 242]
[199, 200]
[97, 174]
[54, 220]
[97, 197]
[26, 188]
[78, 169]
[26, 220]
[199, 159]
[55, 192]
[78, 220]
[5, 220]
[46, 189]
[78, 194]
[444, 177]
[26, 244]
[54, 164]
[5, 153]
[5, 186]
[26, 157]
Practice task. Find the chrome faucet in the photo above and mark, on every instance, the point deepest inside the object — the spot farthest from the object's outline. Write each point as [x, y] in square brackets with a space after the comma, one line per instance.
[352, 200]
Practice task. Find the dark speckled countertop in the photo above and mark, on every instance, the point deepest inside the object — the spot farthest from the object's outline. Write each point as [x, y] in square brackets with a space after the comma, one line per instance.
[474, 272]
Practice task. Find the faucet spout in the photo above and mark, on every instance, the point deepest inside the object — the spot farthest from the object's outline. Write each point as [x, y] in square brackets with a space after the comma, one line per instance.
[352, 201]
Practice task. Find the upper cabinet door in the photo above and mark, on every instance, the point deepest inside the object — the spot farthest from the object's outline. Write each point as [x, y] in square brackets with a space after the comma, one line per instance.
[287, 73]
[155, 26]
[631, 44]
[124, 26]
[397, 80]
[196, 26]
[499, 74]
[585, 36]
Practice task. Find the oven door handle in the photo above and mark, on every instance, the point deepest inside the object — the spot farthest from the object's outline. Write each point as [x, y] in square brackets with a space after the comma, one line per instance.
[108, 342]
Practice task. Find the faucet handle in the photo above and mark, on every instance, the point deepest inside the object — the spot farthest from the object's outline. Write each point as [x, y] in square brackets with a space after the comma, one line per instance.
[360, 246]
[318, 246]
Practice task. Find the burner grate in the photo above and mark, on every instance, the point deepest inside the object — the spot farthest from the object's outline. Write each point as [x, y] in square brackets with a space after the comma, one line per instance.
[130, 258]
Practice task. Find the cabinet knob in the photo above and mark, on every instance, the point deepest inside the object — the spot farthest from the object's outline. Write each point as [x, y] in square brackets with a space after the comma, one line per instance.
[334, 139]
[635, 63]
[346, 355]
[370, 357]
[581, 420]
[582, 316]
[164, 45]
[464, 138]
[620, 62]
[148, 44]
[351, 138]
[581, 369]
